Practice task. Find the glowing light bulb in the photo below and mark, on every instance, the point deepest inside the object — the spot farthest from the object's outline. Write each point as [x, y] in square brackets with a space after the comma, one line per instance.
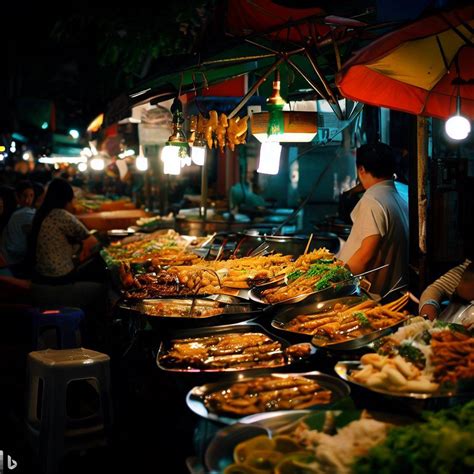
[171, 160]
[198, 155]
[270, 153]
[457, 127]
[97, 164]
[141, 163]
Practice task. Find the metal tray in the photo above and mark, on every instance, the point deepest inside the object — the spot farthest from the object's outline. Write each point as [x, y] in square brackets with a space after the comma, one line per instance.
[336, 290]
[358, 342]
[287, 314]
[345, 368]
[234, 310]
[195, 397]
[220, 330]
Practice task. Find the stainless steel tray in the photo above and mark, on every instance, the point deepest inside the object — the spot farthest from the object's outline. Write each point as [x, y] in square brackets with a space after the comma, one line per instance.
[195, 397]
[358, 342]
[345, 368]
[286, 314]
[234, 310]
[336, 290]
[166, 345]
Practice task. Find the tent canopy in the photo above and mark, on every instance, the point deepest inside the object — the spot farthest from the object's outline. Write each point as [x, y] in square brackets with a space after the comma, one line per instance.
[304, 44]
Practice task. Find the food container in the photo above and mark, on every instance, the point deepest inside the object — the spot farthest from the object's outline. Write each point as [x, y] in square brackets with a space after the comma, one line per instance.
[336, 290]
[195, 398]
[193, 312]
[286, 314]
[280, 355]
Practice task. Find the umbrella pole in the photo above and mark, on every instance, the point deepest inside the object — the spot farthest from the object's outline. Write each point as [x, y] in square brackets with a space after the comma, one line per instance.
[422, 195]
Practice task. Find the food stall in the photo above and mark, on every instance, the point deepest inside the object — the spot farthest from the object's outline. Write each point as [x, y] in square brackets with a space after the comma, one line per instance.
[314, 364]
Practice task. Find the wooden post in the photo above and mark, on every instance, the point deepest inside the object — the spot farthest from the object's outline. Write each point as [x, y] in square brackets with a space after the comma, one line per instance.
[422, 194]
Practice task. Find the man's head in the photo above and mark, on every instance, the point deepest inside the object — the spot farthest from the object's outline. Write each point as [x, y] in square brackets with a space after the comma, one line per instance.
[25, 194]
[375, 163]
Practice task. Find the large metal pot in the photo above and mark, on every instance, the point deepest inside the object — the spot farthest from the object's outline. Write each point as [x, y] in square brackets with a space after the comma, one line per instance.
[201, 228]
[242, 243]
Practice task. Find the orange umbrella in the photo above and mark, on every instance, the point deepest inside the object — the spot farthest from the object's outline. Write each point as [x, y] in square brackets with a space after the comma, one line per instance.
[421, 68]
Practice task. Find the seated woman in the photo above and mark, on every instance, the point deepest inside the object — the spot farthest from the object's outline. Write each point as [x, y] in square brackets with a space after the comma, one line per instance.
[15, 235]
[56, 237]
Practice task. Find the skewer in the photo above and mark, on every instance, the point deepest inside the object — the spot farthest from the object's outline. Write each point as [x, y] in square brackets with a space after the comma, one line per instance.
[208, 240]
[308, 244]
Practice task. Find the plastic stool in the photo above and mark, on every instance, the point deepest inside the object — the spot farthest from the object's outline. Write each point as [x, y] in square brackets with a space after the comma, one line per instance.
[52, 431]
[66, 323]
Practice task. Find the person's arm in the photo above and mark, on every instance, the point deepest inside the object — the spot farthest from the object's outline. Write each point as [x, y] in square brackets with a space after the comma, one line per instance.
[441, 289]
[359, 262]
[89, 247]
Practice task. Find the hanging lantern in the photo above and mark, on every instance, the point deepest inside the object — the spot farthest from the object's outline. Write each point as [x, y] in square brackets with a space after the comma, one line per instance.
[176, 147]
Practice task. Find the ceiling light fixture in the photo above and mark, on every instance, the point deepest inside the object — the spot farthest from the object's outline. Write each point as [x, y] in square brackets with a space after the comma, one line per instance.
[270, 150]
[291, 126]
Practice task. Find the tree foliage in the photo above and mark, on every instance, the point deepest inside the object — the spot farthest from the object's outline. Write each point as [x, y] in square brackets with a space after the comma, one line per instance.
[128, 42]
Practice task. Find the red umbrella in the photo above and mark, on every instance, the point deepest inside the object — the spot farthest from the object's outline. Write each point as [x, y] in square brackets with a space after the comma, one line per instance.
[421, 68]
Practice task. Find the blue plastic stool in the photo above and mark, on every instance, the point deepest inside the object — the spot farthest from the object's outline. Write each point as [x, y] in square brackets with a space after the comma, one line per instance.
[64, 320]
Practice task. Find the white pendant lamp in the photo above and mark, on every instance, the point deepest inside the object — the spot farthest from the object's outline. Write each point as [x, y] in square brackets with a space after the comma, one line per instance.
[269, 162]
[176, 147]
[457, 127]
[141, 161]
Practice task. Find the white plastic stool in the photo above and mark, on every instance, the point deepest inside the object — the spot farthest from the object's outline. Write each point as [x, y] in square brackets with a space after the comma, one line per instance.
[54, 433]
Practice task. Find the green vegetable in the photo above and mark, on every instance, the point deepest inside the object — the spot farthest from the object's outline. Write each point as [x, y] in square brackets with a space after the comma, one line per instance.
[412, 354]
[333, 275]
[452, 327]
[294, 275]
[362, 319]
[317, 269]
[443, 444]
[426, 337]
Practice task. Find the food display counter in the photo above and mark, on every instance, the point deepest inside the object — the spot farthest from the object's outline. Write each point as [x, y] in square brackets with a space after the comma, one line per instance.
[108, 220]
[284, 357]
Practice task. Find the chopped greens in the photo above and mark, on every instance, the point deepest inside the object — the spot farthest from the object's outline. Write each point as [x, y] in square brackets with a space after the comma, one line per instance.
[426, 337]
[412, 354]
[332, 275]
[443, 444]
[317, 269]
[294, 275]
[451, 327]
[362, 318]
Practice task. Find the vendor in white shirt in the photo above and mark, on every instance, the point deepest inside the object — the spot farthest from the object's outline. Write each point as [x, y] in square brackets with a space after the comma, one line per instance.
[380, 222]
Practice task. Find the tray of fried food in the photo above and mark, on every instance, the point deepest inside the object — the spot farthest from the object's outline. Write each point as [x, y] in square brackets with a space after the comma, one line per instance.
[234, 397]
[235, 274]
[358, 325]
[228, 348]
[303, 320]
[422, 359]
[161, 248]
[194, 311]
[319, 282]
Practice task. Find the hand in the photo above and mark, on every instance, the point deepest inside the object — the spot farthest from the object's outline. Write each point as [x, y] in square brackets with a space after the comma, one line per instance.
[429, 311]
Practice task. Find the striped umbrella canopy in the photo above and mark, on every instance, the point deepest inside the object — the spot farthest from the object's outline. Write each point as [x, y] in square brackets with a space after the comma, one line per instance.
[420, 68]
